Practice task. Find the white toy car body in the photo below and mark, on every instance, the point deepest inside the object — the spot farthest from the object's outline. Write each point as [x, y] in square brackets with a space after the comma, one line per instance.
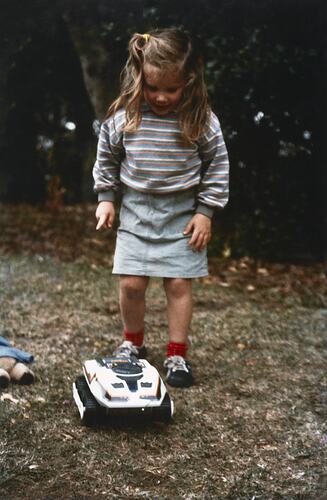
[121, 387]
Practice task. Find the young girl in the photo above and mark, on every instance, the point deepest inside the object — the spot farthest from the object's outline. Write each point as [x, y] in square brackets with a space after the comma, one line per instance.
[162, 146]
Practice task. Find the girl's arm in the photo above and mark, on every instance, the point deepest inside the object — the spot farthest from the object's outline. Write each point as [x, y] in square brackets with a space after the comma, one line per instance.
[214, 187]
[110, 153]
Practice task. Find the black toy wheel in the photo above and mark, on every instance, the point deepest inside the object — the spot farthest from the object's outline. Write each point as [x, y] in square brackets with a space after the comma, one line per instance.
[92, 411]
[164, 412]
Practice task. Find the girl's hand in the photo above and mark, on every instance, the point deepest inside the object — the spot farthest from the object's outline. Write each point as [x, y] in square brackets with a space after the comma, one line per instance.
[105, 215]
[200, 226]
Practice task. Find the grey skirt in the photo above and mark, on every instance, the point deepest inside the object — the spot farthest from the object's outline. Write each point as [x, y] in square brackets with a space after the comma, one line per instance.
[150, 239]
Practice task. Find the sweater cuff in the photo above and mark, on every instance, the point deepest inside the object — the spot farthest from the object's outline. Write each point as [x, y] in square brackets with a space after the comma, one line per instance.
[205, 210]
[106, 196]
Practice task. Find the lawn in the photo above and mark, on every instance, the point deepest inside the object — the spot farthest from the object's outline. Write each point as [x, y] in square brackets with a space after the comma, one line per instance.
[252, 427]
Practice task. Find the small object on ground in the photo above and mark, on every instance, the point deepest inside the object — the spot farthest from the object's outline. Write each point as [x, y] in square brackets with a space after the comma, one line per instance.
[121, 388]
[12, 365]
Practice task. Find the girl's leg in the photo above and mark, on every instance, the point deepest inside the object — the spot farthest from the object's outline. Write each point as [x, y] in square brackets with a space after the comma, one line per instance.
[132, 302]
[179, 308]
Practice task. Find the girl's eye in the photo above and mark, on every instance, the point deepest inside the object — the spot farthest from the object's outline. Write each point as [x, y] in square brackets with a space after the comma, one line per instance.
[172, 90]
[152, 88]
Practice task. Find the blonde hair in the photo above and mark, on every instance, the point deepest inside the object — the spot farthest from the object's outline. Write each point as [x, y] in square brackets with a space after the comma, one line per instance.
[165, 49]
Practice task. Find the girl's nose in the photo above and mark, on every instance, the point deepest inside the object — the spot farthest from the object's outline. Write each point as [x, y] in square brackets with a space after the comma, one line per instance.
[161, 98]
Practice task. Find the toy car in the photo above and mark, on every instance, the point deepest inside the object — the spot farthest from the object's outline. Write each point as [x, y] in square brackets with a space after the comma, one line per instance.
[119, 387]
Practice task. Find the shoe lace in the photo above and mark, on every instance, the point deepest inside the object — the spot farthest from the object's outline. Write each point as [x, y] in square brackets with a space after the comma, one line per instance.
[126, 349]
[176, 363]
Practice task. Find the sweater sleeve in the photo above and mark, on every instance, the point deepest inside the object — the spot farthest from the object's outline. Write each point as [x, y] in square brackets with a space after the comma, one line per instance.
[214, 186]
[110, 152]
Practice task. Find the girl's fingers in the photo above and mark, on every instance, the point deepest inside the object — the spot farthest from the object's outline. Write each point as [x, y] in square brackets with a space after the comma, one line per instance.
[193, 238]
[200, 244]
[199, 241]
[110, 221]
[105, 215]
[196, 241]
[101, 221]
[188, 228]
[205, 242]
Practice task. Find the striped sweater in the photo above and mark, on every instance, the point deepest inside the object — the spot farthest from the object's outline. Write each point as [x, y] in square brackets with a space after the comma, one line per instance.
[155, 159]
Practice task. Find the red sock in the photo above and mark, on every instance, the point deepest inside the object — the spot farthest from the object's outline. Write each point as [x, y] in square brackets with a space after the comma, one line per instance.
[136, 338]
[176, 349]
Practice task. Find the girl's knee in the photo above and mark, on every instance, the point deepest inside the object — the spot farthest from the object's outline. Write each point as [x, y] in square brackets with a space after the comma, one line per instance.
[133, 287]
[178, 287]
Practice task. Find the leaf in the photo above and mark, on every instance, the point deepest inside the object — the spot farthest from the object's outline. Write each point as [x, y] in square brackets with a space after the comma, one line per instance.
[6, 396]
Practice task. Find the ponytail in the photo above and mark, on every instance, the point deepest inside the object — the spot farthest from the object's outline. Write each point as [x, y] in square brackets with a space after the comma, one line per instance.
[132, 83]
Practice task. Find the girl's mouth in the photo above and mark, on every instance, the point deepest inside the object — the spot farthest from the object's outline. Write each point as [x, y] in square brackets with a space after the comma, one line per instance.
[161, 107]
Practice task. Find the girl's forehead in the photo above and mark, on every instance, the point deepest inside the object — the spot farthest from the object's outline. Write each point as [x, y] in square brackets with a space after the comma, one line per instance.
[170, 77]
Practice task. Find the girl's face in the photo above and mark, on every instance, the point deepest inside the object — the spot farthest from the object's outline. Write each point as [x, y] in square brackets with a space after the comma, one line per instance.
[162, 90]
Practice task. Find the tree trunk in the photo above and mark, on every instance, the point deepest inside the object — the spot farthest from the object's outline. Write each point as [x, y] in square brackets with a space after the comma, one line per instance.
[95, 61]
[99, 77]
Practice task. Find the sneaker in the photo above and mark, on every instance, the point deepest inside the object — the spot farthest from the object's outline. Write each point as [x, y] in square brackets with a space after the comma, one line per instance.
[179, 373]
[128, 349]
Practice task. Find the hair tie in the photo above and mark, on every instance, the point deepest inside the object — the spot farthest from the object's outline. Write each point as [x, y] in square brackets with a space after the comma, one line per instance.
[146, 37]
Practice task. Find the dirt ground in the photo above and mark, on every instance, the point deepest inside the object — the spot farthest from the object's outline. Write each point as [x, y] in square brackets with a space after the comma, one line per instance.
[252, 427]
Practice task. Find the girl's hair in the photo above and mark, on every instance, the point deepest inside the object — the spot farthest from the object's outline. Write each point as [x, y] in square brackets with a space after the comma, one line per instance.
[165, 49]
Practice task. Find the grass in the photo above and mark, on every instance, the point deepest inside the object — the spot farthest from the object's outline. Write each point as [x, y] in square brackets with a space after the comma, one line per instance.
[253, 426]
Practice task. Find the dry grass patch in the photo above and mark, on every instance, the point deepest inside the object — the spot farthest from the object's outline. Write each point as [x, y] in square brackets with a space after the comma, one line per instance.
[254, 425]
